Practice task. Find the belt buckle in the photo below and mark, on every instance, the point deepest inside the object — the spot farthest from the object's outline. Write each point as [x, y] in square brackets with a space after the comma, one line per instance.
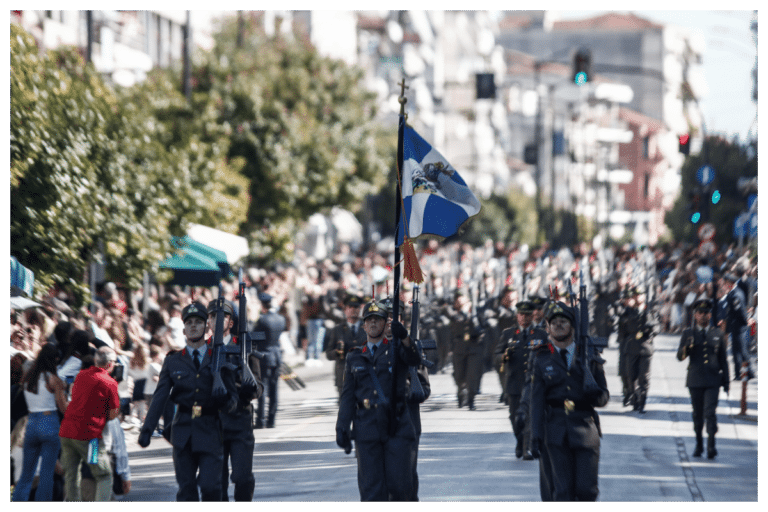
[568, 405]
[638, 335]
[197, 411]
[367, 403]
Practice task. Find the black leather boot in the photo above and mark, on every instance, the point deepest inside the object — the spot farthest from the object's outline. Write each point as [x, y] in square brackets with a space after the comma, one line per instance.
[699, 446]
[711, 451]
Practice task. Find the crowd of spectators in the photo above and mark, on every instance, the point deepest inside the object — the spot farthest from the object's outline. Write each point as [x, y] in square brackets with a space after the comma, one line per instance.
[143, 326]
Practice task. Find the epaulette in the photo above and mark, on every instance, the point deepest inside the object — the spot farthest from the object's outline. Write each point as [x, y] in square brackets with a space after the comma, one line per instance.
[172, 351]
[544, 347]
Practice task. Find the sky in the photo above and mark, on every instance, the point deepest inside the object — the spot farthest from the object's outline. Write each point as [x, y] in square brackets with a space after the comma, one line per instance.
[728, 59]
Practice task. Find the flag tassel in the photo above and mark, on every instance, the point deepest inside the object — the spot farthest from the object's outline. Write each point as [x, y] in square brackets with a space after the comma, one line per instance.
[412, 270]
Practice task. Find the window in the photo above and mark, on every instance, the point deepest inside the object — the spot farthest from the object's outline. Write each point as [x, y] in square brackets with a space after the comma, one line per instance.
[646, 146]
[647, 184]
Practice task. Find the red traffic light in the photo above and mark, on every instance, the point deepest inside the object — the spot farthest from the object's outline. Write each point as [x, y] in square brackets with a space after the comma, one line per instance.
[685, 144]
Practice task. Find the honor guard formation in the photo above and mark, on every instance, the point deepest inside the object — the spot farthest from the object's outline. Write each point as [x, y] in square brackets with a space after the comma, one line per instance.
[200, 370]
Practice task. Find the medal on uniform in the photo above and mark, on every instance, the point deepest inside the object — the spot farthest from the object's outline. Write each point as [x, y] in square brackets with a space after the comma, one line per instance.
[367, 403]
[197, 411]
[466, 337]
[568, 405]
[638, 335]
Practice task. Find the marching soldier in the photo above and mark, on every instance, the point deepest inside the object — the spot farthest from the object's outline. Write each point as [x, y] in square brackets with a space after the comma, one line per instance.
[563, 416]
[467, 351]
[734, 322]
[636, 333]
[384, 451]
[272, 324]
[539, 321]
[237, 429]
[512, 358]
[187, 379]
[341, 339]
[707, 371]
[506, 319]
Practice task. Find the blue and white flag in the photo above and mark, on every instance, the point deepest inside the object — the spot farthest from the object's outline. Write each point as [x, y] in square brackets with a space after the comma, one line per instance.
[436, 200]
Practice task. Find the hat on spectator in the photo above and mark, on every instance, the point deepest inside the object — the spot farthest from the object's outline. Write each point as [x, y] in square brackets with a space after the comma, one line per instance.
[195, 309]
[265, 297]
[730, 277]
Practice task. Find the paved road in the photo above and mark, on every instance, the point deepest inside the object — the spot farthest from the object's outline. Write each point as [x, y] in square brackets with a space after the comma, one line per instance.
[469, 455]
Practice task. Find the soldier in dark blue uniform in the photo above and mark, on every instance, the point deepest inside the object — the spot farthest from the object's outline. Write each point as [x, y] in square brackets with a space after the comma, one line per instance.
[563, 415]
[636, 333]
[707, 371]
[539, 320]
[187, 379]
[272, 325]
[467, 336]
[369, 403]
[237, 430]
[512, 358]
[341, 339]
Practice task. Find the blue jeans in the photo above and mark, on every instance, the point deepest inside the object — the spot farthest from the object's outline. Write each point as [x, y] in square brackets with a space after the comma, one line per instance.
[41, 441]
[315, 335]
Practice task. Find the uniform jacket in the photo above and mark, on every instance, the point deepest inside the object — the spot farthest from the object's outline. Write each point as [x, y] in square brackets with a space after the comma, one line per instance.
[361, 403]
[636, 332]
[272, 325]
[467, 339]
[422, 374]
[188, 387]
[707, 363]
[518, 343]
[242, 417]
[341, 335]
[551, 385]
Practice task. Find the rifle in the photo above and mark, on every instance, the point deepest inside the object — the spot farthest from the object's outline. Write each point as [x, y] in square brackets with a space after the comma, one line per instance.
[583, 337]
[219, 349]
[416, 391]
[246, 341]
[245, 347]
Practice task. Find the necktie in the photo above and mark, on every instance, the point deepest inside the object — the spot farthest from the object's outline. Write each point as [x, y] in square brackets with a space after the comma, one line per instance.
[564, 355]
[195, 355]
[373, 350]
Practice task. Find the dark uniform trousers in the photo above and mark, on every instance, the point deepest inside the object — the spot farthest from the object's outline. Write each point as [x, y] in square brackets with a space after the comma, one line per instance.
[546, 485]
[197, 442]
[238, 440]
[385, 457]
[272, 325]
[413, 406]
[707, 371]
[637, 349]
[571, 436]
[342, 338]
[467, 357]
[517, 343]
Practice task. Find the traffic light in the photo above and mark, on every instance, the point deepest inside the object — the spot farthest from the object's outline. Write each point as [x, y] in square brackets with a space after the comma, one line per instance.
[715, 197]
[694, 205]
[685, 144]
[582, 66]
[486, 88]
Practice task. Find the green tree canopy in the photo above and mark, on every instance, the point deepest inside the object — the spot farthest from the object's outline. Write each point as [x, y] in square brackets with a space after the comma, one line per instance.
[730, 161]
[90, 172]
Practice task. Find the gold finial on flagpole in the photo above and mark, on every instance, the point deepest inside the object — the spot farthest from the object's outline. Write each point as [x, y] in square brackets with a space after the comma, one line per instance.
[402, 99]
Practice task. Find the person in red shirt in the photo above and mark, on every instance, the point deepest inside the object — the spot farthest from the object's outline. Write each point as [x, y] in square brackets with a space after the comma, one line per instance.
[94, 402]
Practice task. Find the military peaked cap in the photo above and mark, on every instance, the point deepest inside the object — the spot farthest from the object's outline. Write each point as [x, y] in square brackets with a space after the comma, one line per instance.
[228, 309]
[195, 309]
[375, 309]
[702, 305]
[525, 306]
[559, 308]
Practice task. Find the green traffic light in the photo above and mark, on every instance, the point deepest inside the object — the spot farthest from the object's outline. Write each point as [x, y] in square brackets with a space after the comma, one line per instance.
[715, 197]
[580, 78]
[696, 217]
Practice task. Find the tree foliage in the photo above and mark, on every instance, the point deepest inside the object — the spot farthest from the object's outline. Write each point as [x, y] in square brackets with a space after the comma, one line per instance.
[90, 173]
[303, 125]
[731, 161]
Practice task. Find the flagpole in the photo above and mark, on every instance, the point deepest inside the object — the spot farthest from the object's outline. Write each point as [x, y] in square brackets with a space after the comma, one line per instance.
[399, 201]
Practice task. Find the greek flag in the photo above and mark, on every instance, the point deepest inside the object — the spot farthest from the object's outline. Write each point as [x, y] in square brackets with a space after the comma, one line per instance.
[436, 201]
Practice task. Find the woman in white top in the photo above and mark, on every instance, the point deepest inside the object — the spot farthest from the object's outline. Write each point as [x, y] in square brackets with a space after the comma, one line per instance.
[138, 370]
[45, 394]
